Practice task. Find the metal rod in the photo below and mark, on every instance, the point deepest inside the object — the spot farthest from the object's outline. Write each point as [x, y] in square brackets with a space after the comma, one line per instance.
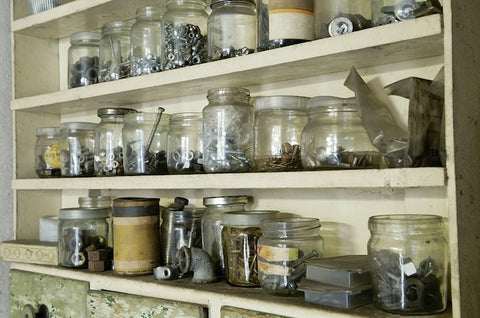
[154, 129]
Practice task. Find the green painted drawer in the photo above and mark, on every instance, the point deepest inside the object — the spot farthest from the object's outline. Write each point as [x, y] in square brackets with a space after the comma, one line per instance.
[233, 312]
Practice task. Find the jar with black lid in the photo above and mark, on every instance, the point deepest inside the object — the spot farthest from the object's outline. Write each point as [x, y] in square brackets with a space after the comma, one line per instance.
[77, 146]
[115, 51]
[47, 152]
[83, 59]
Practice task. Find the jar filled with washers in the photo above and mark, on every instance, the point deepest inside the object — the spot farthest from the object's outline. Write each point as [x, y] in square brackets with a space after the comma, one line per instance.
[108, 141]
[335, 137]
[409, 263]
[103, 201]
[184, 27]
[83, 59]
[393, 11]
[77, 146]
[279, 121]
[228, 131]
[47, 152]
[232, 29]
[282, 250]
[115, 51]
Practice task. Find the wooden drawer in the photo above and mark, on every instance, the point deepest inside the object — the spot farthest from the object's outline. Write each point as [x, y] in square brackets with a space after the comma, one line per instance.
[233, 312]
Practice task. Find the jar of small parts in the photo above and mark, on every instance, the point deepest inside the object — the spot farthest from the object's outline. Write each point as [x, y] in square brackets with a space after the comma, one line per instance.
[335, 138]
[108, 141]
[283, 249]
[184, 26]
[232, 29]
[409, 262]
[114, 51]
[47, 152]
[279, 121]
[81, 230]
[77, 146]
[241, 231]
[392, 11]
[100, 202]
[83, 59]
[228, 131]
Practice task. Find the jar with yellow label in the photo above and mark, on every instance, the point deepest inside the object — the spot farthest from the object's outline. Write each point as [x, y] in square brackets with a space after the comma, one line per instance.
[47, 152]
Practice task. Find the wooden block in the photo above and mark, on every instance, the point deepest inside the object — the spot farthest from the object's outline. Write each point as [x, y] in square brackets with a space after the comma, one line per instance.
[35, 252]
[97, 255]
[96, 266]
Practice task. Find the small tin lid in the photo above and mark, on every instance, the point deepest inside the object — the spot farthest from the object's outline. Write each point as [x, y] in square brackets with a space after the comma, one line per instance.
[53, 131]
[85, 36]
[330, 101]
[83, 213]
[234, 199]
[247, 218]
[280, 102]
[78, 126]
[114, 111]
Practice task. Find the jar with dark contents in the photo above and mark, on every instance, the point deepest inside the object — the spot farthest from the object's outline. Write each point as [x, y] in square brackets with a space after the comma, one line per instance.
[114, 51]
[83, 59]
[100, 202]
[47, 152]
[240, 233]
[393, 11]
[77, 146]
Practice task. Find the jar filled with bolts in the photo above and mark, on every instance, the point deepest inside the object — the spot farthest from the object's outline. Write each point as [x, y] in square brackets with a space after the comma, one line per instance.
[83, 59]
[47, 152]
[393, 11]
[77, 146]
[115, 51]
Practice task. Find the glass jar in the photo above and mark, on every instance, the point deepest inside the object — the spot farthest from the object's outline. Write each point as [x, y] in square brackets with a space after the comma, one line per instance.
[185, 143]
[83, 59]
[108, 141]
[114, 51]
[409, 261]
[240, 234]
[184, 26]
[279, 121]
[392, 11]
[145, 41]
[47, 152]
[227, 131]
[100, 202]
[232, 29]
[335, 138]
[81, 230]
[282, 23]
[77, 146]
[212, 225]
[145, 148]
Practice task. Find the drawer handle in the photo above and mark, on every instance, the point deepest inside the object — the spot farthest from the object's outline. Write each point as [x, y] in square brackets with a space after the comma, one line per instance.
[29, 312]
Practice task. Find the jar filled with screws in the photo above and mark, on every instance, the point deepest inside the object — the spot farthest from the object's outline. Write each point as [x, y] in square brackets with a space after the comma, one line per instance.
[185, 143]
[184, 27]
[228, 131]
[83, 59]
[335, 138]
[115, 51]
[279, 121]
[392, 11]
[232, 29]
[145, 143]
[283, 23]
[77, 146]
[47, 152]
[283, 249]
[81, 230]
[241, 231]
[409, 262]
[145, 41]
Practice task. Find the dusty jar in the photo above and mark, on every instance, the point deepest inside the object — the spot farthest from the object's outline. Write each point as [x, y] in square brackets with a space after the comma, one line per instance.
[47, 152]
[77, 146]
[114, 51]
[83, 59]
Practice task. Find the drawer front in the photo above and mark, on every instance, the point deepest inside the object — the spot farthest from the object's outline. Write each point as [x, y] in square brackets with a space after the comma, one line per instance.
[102, 304]
[233, 312]
[64, 298]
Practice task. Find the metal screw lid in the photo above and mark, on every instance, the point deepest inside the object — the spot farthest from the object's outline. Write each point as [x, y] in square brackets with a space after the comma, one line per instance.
[280, 102]
[114, 111]
[247, 218]
[93, 202]
[53, 131]
[234, 199]
[85, 36]
[83, 213]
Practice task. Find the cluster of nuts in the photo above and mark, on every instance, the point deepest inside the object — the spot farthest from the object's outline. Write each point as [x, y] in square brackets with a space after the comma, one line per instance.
[288, 159]
[145, 65]
[218, 53]
[184, 45]
[77, 161]
[109, 163]
[84, 71]
[76, 243]
[149, 163]
[111, 71]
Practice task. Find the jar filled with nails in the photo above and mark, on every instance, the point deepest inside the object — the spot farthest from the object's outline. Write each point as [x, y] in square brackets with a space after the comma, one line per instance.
[392, 11]
[47, 152]
[83, 59]
[115, 51]
[77, 146]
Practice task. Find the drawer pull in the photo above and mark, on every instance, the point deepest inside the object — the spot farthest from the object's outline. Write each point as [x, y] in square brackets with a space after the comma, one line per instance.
[29, 312]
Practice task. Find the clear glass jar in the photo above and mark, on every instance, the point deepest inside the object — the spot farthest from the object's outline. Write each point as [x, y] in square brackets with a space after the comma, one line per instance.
[227, 131]
[114, 51]
[392, 11]
[108, 141]
[77, 146]
[232, 29]
[240, 233]
[282, 23]
[139, 156]
[146, 41]
[83, 59]
[283, 249]
[185, 143]
[184, 26]
[212, 225]
[47, 152]
[100, 202]
[335, 138]
[79, 231]
[409, 262]
[279, 121]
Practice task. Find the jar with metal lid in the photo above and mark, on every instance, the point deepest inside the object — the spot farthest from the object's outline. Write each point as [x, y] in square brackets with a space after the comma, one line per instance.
[108, 141]
[232, 29]
[114, 51]
[409, 262]
[392, 11]
[283, 249]
[185, 143]
[77, 146]
[335, 137]
[47, 152]
[146, 41]
[184, 27]
[279, 121]
[212, 225]
[81, 230]
[100, 202]
[227, 131]
[145, 143]
[283, 23]
[240, 233]
[83, 59]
